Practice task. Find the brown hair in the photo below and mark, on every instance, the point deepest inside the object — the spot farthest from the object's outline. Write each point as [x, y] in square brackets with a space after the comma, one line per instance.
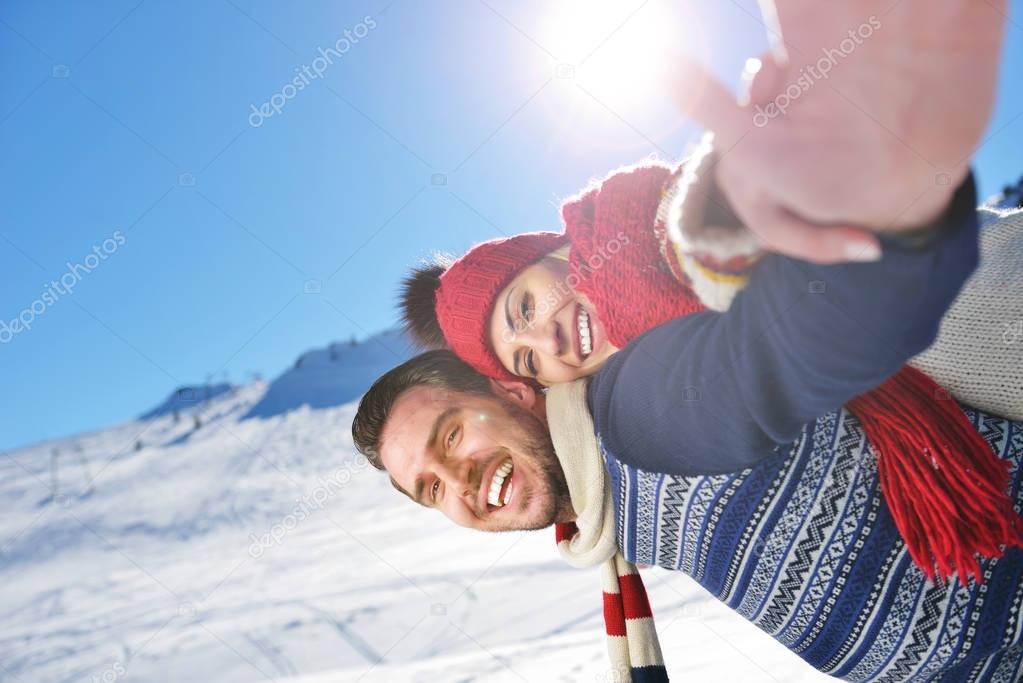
[440, 369]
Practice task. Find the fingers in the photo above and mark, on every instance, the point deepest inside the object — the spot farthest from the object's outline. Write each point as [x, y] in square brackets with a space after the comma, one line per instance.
[702, 97]
[749, 72]
[765, 80]
[785, 233]
[773, 26]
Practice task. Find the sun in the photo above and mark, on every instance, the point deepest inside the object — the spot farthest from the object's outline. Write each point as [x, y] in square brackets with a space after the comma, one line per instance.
[618, 48]
[611, 69]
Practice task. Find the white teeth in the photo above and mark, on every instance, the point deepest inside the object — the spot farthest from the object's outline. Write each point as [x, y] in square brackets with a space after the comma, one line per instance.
[585, 342]
[494, 494]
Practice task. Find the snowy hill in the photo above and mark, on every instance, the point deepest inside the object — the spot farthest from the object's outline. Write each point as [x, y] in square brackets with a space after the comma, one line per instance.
[337, 374]
[184, 398]
[264, 548]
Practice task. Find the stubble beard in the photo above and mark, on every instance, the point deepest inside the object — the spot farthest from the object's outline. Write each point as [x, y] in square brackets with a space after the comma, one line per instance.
[539, 451]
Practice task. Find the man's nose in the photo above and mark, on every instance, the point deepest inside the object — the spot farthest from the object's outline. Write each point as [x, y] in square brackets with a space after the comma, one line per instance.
[458, 474]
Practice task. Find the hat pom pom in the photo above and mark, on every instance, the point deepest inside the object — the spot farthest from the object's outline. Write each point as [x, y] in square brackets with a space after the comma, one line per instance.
[418, 296]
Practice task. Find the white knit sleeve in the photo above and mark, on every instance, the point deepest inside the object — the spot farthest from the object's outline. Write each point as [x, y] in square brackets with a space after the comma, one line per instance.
[978, 355]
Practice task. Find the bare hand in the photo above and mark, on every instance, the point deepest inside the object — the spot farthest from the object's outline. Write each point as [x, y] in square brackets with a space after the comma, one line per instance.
[862, 120]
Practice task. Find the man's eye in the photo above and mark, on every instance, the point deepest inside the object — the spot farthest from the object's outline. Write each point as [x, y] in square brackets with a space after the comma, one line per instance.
[434, 489]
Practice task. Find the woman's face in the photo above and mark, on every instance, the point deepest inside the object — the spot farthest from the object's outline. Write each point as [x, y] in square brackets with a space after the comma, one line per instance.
[544, 330]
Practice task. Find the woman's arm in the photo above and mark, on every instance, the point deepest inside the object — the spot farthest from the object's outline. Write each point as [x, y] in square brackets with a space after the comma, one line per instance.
[715, 392]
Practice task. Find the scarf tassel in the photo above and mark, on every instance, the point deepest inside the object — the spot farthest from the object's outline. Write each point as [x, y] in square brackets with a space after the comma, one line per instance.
[946, 489]
[632, 644]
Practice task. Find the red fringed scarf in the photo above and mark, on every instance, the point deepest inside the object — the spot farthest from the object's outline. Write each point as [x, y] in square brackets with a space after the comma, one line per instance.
[945, 487]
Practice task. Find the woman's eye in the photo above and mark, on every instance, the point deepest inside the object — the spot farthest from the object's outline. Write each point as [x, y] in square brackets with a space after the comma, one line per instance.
[434, 489]
[526, 308]
[530, 365]
[451, 437]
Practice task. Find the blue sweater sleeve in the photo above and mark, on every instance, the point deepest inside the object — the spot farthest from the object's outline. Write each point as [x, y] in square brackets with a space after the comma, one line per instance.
[712, 393]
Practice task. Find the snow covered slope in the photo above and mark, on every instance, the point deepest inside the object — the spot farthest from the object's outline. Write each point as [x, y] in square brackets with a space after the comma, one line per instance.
[337, 374]
[265, 549]
[184, 398]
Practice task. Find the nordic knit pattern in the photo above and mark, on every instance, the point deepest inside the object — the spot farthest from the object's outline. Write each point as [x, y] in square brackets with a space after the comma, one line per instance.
[804, 546]
[978, 356]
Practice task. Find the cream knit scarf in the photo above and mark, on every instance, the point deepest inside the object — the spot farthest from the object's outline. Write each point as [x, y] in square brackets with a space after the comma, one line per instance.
[592, 540]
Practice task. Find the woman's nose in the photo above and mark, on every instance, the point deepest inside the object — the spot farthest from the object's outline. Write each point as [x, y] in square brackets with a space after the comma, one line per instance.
[544, 338]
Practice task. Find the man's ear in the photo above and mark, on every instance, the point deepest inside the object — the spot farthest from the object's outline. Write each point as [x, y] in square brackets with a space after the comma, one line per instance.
[521, 394]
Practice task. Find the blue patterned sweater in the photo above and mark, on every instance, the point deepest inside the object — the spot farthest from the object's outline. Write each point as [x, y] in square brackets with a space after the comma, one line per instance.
[803, 545]
[733, 460]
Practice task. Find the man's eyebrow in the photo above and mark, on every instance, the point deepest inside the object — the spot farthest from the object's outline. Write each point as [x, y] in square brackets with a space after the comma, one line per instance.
[431, 442]
[397, 487]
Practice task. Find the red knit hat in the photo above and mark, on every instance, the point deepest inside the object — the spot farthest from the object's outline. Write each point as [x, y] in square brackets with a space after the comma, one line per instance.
[469, 288]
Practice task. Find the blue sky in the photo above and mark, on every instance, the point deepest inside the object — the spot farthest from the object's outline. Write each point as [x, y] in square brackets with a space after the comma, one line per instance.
[232, 247]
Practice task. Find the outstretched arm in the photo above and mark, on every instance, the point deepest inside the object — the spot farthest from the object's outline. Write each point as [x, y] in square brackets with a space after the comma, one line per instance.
[715, 392]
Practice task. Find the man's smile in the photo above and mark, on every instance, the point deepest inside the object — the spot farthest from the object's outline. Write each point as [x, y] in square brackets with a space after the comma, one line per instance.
[499, 485]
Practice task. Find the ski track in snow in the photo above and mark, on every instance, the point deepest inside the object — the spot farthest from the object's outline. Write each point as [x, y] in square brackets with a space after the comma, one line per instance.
[141, 567]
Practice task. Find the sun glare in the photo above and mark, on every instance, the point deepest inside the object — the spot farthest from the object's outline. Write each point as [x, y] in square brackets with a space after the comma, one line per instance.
[612, 61]
[611, 47]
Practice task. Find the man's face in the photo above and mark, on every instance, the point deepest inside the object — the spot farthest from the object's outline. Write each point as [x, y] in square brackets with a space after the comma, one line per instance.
[485, 462]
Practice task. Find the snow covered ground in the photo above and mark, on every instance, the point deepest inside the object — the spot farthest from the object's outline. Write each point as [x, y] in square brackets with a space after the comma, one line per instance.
[260, 548]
